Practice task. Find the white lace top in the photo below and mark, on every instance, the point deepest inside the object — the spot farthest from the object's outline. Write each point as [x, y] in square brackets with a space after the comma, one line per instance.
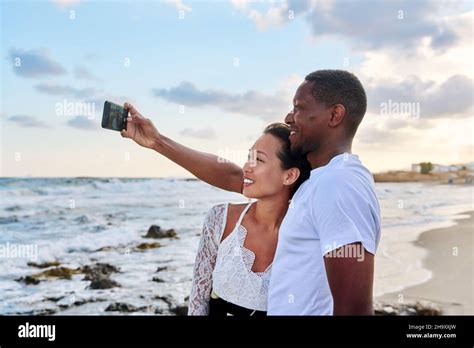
[226, 268]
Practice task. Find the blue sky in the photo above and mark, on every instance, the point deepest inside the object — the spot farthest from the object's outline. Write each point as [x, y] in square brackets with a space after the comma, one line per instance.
[75, 51]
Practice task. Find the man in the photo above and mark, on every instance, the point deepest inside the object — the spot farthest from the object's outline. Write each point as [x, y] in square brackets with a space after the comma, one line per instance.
[324, 263]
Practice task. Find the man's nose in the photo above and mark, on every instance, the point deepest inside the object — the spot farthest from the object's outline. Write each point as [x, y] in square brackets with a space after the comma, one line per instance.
[289, 118]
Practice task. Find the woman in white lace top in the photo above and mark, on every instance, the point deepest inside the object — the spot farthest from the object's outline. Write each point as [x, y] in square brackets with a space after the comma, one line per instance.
[238, 241]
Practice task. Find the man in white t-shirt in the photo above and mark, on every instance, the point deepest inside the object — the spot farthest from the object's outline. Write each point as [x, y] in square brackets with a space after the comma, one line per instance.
[324, 262]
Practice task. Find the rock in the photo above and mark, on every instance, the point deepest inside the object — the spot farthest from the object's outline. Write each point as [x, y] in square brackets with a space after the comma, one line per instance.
[46, 311]
[145, 246]
[164, 299]
[99, 269]
[389, 311]
[426, 309]
[181, 310]
[58, 272]
[29, 280]
[44, 265]
[103, 282]
[13, 208]
[156, 232]
[81, 302]
[83, 219]
[53, 299]
[121, 307]
[418, 308]
[159, 269]
[106, 248]
[158, 280]
[8, 219]
[99, 274]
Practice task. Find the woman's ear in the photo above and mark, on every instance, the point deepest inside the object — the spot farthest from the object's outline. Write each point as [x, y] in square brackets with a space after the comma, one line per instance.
[291, 175]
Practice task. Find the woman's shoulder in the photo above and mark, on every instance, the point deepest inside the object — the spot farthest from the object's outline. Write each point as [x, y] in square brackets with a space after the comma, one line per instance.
[234, 211]
[222, 217]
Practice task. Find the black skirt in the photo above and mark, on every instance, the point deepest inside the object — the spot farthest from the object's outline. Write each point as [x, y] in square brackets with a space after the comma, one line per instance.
[219, 308]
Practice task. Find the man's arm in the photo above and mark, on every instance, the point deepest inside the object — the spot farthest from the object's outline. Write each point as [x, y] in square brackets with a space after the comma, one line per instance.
[222, 174]
[350, 278]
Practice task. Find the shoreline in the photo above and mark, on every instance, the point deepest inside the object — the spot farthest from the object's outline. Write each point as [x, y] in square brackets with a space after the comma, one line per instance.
[450, 259]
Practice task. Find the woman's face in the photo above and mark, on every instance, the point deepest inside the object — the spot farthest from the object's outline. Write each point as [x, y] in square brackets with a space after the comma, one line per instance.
[263, 173]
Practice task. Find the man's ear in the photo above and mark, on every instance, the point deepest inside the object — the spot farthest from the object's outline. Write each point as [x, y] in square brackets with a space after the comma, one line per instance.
[338, 112]
[291, 175]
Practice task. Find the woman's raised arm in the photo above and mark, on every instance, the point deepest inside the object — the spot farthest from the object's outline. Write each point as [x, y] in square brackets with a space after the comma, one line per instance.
[207, 167]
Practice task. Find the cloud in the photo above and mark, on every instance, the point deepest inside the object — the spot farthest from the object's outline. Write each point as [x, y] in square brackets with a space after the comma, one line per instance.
[425, 62]
[204, 133]
[82, 73]
[370, 24]
[62, 90]
[27, 121]
[180, 6]
[435, 100]
[82, 122]
[65, 3]
[251, 103]
[34, 63]
[275, 15]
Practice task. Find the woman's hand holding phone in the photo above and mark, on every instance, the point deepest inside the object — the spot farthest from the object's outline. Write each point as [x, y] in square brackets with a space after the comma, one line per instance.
[140, 129]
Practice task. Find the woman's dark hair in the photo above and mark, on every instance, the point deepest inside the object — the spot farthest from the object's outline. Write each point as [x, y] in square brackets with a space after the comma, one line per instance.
[289, 160]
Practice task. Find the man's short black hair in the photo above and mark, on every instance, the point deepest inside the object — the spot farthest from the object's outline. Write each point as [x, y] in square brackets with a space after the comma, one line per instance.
[340, 87]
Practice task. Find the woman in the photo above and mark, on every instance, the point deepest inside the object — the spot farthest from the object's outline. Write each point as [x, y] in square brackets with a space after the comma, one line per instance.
[238, 242]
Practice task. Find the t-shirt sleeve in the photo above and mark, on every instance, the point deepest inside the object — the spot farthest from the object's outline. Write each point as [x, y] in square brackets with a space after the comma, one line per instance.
[343, 213]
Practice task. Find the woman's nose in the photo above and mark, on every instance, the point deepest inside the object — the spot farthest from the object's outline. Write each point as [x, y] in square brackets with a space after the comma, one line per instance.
[248, 166]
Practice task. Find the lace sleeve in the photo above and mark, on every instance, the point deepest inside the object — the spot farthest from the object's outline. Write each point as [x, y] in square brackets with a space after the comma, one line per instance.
[213, 227]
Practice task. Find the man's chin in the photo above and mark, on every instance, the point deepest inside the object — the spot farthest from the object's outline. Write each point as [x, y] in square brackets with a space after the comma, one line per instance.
[296, 150]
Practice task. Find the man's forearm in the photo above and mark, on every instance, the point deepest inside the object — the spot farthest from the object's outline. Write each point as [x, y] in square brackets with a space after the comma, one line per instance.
[353, 308]
[205, 166]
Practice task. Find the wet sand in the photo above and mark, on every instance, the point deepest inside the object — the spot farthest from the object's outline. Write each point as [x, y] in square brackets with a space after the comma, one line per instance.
[451, 260]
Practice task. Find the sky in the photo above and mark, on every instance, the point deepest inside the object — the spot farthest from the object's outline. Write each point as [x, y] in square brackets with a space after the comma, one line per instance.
[212, 74]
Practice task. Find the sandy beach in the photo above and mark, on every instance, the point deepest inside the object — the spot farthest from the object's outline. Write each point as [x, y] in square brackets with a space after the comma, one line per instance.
[450, 258]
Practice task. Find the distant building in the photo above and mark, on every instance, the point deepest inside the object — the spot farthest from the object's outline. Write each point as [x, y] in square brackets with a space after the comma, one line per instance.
[416, 167]
[440, 168]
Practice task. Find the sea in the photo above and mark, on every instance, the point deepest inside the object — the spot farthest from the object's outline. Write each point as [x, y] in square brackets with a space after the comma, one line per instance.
[85, 221]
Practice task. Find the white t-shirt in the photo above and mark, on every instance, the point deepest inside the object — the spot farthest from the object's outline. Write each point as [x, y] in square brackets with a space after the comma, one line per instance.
[336, 206]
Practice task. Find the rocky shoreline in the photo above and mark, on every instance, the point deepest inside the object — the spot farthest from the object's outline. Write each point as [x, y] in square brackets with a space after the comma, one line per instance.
[99, 276]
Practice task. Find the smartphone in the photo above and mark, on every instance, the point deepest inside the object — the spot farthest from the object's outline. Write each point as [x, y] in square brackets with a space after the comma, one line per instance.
[114, 117]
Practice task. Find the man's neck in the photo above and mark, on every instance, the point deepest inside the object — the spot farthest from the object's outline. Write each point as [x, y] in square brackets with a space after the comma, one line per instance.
[326, 152]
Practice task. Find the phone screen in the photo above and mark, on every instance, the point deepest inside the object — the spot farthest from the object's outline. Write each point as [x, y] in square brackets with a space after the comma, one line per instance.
[114, 117]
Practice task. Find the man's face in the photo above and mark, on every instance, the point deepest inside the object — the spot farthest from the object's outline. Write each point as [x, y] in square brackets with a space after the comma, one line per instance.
[308, 121]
